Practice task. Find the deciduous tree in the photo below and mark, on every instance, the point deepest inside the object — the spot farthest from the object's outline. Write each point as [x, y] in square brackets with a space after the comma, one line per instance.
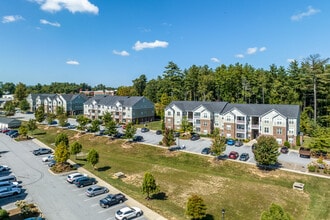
[149, 185]
[196, 208]
[275, 212]
[39, 114]
[62, 153]
[75, 148]
[266, 151]
[93, 157]
[62, 138]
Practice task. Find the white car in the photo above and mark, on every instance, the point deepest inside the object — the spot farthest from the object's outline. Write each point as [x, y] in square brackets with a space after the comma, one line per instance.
[9, 191]
[48, 158]
[72, 177]
[4, 168]
[128, 213]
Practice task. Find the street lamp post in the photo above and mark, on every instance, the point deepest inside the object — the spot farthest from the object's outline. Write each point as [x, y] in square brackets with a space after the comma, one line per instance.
[223, 211]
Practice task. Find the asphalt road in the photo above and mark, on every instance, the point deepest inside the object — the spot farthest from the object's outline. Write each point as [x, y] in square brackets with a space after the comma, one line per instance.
[56, 198]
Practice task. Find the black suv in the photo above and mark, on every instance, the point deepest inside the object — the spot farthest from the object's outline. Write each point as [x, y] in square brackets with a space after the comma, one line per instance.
[137, 138]
[195, 137]
[112, 199]
[84, 181]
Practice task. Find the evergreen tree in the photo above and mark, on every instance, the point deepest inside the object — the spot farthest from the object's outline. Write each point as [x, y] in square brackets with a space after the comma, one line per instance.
[39, 114]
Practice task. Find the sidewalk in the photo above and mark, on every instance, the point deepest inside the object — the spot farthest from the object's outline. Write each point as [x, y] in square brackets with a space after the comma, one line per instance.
[147, 213]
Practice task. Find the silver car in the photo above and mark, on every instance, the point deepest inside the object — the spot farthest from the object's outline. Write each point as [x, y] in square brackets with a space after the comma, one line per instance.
[96, 190]
[9, 191]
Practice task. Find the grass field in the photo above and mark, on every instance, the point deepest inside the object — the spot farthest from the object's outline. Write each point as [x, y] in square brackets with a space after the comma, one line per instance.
[243, 190]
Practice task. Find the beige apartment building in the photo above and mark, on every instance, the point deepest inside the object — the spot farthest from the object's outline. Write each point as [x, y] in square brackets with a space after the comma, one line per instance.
[238, 121]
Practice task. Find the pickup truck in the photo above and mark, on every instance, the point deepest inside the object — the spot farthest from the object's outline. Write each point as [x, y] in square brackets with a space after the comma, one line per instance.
[112, 199]
[304, 152]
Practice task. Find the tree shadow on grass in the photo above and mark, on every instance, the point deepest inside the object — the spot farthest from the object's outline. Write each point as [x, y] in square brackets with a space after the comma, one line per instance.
[105, 168]
[208, 217]
[159, 196]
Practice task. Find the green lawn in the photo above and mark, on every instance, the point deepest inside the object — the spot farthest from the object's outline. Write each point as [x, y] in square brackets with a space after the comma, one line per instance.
[243, 190]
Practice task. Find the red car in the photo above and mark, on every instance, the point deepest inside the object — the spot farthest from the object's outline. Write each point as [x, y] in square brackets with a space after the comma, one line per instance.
[233, 155]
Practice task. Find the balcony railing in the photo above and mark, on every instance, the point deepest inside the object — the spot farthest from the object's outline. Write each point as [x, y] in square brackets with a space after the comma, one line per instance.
[255, 126]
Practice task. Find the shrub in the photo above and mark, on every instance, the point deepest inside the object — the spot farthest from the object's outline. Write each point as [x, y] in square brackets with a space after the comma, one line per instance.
[160, 143]
[4, 214]
[311, 168]
[287, 144]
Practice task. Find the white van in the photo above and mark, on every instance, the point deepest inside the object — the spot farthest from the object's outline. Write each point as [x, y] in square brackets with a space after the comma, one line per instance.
[10, 178]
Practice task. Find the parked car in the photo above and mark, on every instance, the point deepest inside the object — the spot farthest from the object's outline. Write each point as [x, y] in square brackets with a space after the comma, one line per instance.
[230, 142]
[284, 150]
[175, 148]
[137, 138]
[238, 143]
[4, 168]
[10, 178]
[244, 157]
[96, 190]
[8, 184]
[233, 155]
[84, 181]
[48, 158]
[222, 157]
[41, 151]
[71, 127]
[195, 137]
[176, 134]
[72, 177]
[159, 132]
[206, 150]
[128, 213]
[10, 132]
[9, 191]
[118, 135]
[5, 130]
[52, 163]
[14, 134]
[144, 129]
[112, 199]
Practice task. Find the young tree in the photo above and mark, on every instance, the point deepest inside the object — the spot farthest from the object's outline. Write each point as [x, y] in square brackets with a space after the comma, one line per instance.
[31, 125]
[20, 91]
[23, 130]
[24, 105]
[149, 185]
[93, 157]
[168, 137]
[62, 138]
[62, 119]
[95, 125]
[185, 125]
[218, 144]
[266, 151]
[110, 128]
[9, 108]
[83, 121]
[196, 208]
[107, 117]
[50, 118]
[275, 212]
[130, 130]
[62, 153]
[39, 114]
[75, 148]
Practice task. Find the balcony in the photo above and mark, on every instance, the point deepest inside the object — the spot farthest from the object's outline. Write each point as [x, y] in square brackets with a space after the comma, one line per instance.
[255, 126]
[240, 121]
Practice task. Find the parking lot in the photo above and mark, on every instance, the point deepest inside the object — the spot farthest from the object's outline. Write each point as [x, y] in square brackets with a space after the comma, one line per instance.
[56, 198]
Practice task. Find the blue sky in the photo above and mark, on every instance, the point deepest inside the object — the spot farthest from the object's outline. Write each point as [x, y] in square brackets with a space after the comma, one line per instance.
[113, 42]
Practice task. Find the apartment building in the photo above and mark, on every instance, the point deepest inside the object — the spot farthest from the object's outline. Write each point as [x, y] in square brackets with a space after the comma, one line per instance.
[239, 121]
[124, 109]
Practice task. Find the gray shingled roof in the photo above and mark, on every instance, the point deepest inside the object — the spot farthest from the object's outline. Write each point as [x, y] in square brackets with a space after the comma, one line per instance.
[290, 111]
[108, 100]
[192, 105]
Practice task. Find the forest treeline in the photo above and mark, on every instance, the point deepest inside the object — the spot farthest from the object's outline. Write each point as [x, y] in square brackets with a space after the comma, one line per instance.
[306, 83]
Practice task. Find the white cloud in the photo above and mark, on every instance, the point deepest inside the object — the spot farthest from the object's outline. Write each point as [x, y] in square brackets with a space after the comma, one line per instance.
[262, 49]
[55, 24]
[11, 18]
[72, 62]
[214, 59]
[310, 11]
[143, 45]
[71, 5]
[239, 56]
[252, 50]
[121, 53]
[290, 60]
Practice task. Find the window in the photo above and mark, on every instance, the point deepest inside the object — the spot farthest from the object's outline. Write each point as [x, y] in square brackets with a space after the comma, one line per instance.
[240, 118]
[279, 121]
[228, 118]
[266, 120]
[168, 113]
[198, 122]
[266, 130]
[205, 115]
[279, 131]
[216, 124]
[177, 113]
[204, 123]
[291, 131]
[197, 114]
[228, 127]
[291, 121]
